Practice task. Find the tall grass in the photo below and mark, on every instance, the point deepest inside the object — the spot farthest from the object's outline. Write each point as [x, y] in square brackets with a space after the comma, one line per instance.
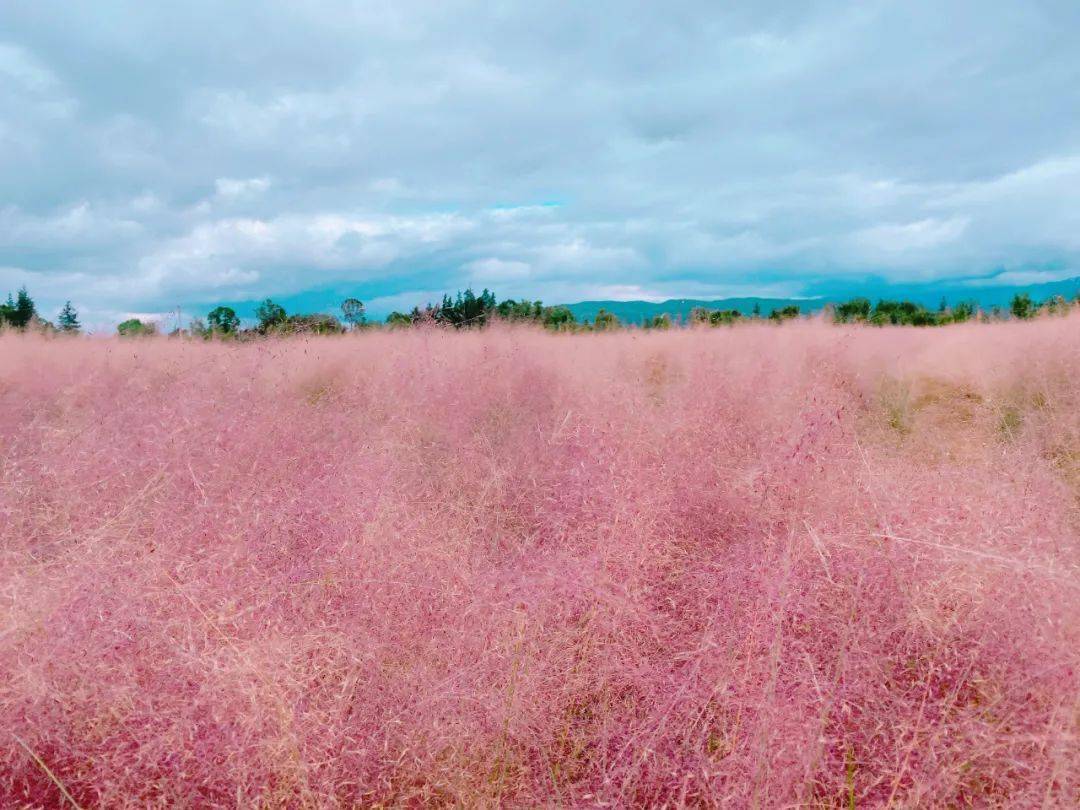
[800, 565]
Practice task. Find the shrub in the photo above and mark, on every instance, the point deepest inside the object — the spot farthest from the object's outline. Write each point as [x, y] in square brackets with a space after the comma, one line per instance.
[318, 324]
[719, 317]
[605, 320]
[784, 313]
[857, 309]
[1022, 306]
[963, 311]
[558, 318]
[133, 327]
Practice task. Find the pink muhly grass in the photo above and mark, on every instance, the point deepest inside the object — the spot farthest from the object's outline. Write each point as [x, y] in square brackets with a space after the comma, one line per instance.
[798, 565]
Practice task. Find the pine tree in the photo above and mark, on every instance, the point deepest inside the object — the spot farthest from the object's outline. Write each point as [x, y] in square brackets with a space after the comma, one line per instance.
[24, 310]
[68, 320]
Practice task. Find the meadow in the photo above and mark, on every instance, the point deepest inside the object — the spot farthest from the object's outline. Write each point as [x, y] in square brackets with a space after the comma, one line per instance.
[765, 565]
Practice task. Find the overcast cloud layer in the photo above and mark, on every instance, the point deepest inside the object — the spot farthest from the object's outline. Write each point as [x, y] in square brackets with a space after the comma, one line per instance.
[161, 154]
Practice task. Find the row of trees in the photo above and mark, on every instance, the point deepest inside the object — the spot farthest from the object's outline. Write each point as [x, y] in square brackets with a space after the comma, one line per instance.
[469, 310]
[860, 310]
[908, 313]
[20, 312]
[271, 319]
[1024, 307]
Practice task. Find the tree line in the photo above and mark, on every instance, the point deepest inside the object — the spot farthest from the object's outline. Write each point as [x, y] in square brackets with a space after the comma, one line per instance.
[20, 312]
[271, 319]
[470, 311]
[908, 313]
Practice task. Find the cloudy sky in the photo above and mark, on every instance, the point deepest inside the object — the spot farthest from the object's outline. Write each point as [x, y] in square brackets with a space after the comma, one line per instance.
[157, 154]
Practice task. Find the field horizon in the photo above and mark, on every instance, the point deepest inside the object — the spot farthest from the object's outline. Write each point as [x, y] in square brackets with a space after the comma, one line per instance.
[800, 565]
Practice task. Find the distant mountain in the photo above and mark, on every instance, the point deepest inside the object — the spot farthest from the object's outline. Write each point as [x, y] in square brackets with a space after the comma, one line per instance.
[929, 295]
[985, 292]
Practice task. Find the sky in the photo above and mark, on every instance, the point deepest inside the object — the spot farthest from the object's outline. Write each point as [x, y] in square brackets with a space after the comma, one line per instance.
[155, 155]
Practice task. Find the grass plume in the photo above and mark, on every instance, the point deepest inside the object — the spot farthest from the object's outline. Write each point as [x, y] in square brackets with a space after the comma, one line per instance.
[812, 565]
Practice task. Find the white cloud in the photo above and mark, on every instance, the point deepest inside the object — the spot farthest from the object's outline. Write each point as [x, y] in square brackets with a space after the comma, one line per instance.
[402, 302]
[80, 224]
[19, 66]
[491, 270]
[389, 186]
[230, 188]
[192, 153]
[910, 236]
[1022, 278]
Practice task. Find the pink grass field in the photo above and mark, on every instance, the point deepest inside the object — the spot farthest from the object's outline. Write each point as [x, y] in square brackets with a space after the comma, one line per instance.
[805, 565]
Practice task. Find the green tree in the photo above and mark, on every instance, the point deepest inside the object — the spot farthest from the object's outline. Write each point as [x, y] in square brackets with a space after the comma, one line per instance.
[906, 313]
[223, 320]
[21, 311]
[318, 324]
[511, 310]
[1056, 305]
[133, 327]
[1022, 306]
[659, 322]
[605, 320]
[894, 312]
[924, 317]
[963, 311]
[7, 311]
[784, 313]
[857, 309]
[467, 311]
[270, 315]
[558, 318]
[427, 315]
[352, 311]
[68, 320]
[398, 319]
[719, 317]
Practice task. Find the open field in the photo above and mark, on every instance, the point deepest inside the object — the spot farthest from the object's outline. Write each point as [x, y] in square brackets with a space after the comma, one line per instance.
[755, 566]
